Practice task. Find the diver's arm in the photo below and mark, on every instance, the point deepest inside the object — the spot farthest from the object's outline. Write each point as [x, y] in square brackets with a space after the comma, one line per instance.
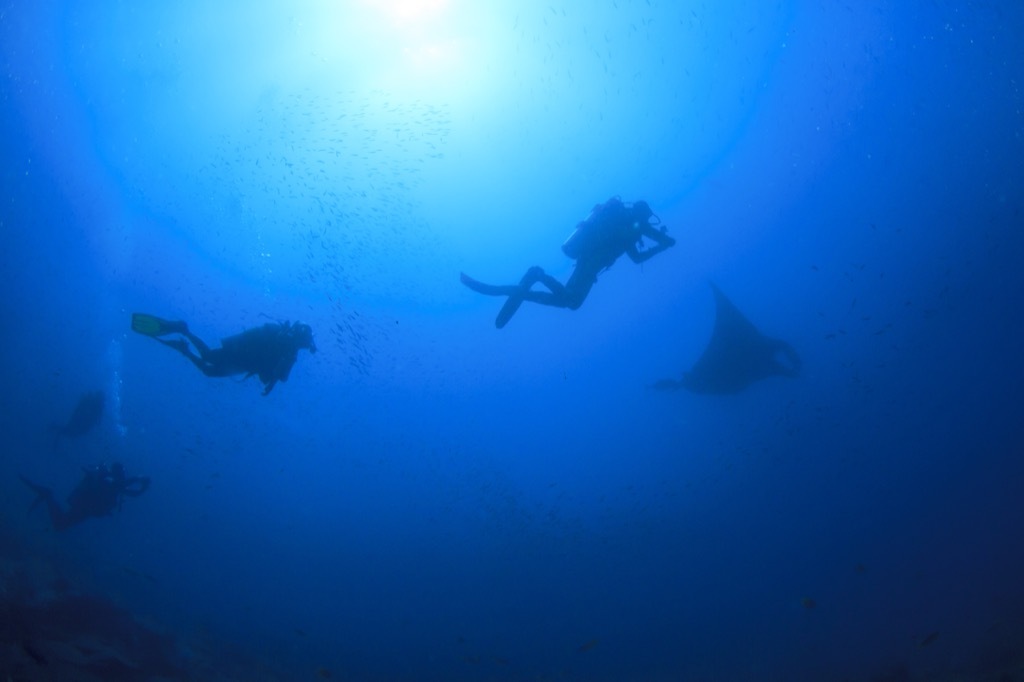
[281, 369]
[143, 486]
[284, 367]
[661, 242]
[280, 372]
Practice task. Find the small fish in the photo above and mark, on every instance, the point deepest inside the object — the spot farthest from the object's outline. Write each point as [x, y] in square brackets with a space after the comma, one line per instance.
[929, 638]
[587, 646]
[808, 602]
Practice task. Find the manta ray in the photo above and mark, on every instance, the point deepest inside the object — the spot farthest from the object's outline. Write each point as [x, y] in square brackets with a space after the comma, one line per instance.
[736, 356]
[86, 415]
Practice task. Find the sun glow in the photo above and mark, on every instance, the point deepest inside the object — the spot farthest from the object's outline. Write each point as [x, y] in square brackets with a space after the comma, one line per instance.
[406, 11]
[404, 44]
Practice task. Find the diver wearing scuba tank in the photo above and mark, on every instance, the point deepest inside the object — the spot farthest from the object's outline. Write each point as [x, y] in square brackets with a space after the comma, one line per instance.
[611, 230]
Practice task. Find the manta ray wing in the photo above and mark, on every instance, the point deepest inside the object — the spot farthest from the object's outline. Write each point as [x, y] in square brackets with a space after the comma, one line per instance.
[737, 354]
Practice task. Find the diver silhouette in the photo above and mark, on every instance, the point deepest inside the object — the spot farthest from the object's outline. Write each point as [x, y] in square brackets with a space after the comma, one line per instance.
[268, 352]
[611, 230]
[101, 491]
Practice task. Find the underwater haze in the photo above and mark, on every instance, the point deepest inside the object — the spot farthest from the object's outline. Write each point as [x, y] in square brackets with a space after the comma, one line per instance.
[428, 497]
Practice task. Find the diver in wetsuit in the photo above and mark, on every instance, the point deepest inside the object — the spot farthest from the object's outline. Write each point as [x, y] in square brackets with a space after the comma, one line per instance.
[611, 230]
[268, 352]
[101, 491]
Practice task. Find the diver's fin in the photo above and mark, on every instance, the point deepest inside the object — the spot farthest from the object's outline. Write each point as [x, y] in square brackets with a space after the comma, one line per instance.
[517, 294]
[509, 309]
[150, 325]
[41, 492]
[488, 289]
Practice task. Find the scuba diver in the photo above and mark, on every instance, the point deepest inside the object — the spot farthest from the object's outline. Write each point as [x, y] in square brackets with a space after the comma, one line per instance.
[101, 490]
[268, 352]
[611, 229]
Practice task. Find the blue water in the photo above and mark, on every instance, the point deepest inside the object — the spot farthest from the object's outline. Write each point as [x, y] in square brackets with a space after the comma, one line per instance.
[429, 498]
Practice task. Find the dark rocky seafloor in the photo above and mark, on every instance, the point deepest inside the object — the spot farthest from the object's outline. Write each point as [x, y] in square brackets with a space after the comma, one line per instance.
[50, 630]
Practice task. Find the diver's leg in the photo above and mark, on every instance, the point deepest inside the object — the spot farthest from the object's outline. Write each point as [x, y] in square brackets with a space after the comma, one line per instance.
[197, 342]
[180, 327]
[520, 293]
[204, 365]
[210, 361]
[569, 295]
[58, 517]
[577, 288]
[556, 290]
[182, 347]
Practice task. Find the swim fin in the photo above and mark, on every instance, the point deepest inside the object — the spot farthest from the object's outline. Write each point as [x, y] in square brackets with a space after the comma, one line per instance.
[488, 289]
[150, 325]
[508, 310]
[513, 291]
[518, 294]
[42, 494]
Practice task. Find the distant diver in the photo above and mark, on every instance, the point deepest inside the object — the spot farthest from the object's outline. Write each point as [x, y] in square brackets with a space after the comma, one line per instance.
[736, 356]
[101, 491]
[268, 352]
[86, 416]
[611, 230]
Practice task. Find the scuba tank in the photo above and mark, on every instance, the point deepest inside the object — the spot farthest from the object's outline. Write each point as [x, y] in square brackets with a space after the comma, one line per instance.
[592, 230]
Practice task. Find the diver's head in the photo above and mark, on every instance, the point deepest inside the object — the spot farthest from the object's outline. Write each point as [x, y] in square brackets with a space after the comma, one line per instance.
[642, 211]
[303, 335]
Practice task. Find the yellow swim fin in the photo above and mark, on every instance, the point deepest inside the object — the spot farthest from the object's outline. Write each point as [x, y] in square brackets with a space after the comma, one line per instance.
[150, 325]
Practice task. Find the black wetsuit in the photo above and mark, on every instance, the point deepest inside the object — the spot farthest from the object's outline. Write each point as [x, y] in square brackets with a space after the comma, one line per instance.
[99, 493]
[268, 352]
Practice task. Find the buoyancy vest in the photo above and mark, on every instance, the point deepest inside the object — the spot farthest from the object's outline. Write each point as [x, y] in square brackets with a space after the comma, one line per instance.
[596, 230]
